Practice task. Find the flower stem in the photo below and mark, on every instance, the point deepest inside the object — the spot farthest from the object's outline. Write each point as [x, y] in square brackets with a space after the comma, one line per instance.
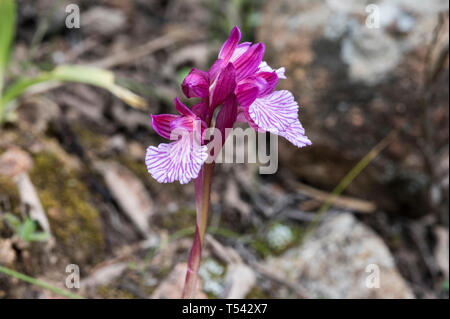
[202, 195]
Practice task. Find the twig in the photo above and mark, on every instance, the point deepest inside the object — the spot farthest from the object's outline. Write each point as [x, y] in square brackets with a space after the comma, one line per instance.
[296, 287]
[346, 202]
[348, 179]
[139, 52]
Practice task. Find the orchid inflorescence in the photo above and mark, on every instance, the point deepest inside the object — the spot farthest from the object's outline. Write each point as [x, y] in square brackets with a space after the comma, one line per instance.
[242, 85]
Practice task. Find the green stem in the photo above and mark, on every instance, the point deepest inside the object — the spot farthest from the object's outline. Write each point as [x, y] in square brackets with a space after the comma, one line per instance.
[38, 283]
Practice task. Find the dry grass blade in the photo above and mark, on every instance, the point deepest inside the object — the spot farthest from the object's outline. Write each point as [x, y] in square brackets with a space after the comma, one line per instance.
[348, 179]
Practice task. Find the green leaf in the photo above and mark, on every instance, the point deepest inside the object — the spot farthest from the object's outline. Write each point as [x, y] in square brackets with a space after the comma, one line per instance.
[78, 74]
[11, 220]
[27, 228]
[20, 86]
[37, 282]
[97, 77]
[7, 29]
[39, 236]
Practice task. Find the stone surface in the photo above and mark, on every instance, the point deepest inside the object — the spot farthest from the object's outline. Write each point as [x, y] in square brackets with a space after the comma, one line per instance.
[172, 286]
[130, 194]
[340, 260]
[239, 281]
[354, 85]
[7, 253]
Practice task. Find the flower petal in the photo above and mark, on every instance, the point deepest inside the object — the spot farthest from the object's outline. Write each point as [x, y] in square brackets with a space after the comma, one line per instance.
[214, 70]
[230, 44]
[227, 116]
[223, 86]
[182, 109]
[244, 117]
[264, 67]
[249, 61]
[246, 93]
[240, 50]
[200, 110]
[274, 112]
[270, 81]
[196, 84]
[295, 134]
[177, 161]
[162, 124]
[183, 123]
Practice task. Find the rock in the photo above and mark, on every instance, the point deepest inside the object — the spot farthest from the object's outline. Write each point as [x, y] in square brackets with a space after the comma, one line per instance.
[7, 252]
[104, 275]
[233, 199]
[130, 194]
[172, 286]
[239, 281]
[421, 7]
[342, 73]
[370, 54]
[441, 251]
[29, 197]
[103, 20]
[342, 260]
[14, 162]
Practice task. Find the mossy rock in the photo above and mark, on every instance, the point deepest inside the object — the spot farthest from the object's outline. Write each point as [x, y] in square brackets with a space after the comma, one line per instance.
[9, 199]
[74, 221]
[265, 246]
[90, 139]
[9, 193]
[111, 292]
[257, 293]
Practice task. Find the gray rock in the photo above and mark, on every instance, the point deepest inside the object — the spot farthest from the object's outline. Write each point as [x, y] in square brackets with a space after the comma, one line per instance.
[371, 54]
[342, 260]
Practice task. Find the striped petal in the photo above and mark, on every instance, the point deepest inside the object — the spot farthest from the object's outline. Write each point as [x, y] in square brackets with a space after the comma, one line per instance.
[249, 61]
[178, 161]
[162, 124]
[182, 109]
[295, 134]
[223, 86]
[246, 93]
[264, 67]
[240, 50]
[243, 117]
[274, 112]
[227, 50]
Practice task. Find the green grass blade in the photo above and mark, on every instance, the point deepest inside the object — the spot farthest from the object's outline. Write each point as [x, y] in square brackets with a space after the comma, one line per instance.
[72, 74]
[37, 282]
[7, 29]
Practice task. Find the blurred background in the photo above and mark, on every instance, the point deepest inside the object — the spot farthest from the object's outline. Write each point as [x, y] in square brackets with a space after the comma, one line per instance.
[372, 83]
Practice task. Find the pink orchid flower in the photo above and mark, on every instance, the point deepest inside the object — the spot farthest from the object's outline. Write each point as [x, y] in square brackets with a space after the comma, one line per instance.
[245, 87]
[242, 85]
